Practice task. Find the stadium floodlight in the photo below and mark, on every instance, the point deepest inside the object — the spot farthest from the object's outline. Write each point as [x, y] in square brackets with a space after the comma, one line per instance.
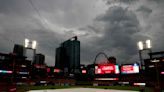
[34, 44]
[145, 45]
[140, 45]
[26, 42]
[148, 44]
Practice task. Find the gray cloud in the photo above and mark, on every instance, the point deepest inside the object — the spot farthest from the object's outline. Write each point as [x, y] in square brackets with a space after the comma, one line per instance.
[122, 31]
[145, 10]
[109, 2]
[121, 25]
[19, 20]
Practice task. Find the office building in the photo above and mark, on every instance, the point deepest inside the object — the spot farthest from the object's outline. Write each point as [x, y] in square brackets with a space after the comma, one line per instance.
[68, 56]
[19, 50]
[60, 58]
[39, 59]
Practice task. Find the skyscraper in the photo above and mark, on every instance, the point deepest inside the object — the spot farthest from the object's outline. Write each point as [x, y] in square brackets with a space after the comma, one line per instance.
[19, 50]
[39, 59]
[68, 55]
[60, 58]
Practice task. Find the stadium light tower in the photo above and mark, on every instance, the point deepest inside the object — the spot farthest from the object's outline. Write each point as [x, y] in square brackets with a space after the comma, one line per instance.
[30, 45]
[144, 46]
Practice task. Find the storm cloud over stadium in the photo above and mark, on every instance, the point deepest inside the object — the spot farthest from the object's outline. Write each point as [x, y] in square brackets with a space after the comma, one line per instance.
[110, 26]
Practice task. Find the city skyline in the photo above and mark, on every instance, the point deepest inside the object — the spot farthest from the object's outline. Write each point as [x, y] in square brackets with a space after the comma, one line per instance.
[110, 26]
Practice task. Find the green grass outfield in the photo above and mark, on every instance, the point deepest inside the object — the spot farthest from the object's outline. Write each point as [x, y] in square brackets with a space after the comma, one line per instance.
[26, 88]
[147, 89]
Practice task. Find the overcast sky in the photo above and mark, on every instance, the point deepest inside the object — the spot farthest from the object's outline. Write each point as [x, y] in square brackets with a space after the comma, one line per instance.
[110, 26]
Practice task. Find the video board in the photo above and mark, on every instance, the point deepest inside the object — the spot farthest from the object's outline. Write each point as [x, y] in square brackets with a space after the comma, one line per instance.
[107, 69]
[130, 69]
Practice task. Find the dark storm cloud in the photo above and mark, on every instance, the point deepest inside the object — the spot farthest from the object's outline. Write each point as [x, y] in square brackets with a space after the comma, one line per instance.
[121, 28]
[124, 28]
[19, 21]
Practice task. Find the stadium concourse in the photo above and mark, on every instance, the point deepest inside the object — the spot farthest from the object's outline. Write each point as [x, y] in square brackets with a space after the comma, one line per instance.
[81, 89]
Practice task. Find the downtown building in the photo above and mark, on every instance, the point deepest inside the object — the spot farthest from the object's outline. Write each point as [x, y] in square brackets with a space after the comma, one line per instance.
[19, 50]
[68, 56]
[39, 67]
[39, 59]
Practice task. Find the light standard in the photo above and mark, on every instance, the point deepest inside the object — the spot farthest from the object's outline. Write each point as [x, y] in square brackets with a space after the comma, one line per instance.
[30, 45]
[143, 46]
